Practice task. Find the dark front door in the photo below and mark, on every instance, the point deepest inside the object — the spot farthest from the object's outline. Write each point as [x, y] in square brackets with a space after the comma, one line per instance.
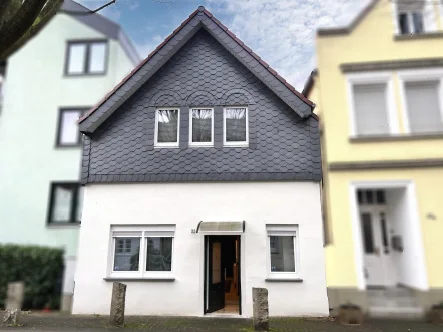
[215, 274]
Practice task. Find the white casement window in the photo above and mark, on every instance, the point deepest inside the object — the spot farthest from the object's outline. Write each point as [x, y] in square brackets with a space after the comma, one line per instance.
[68, 133]
[142, 252]
[415, 17]
[167, 123]
[86, 57]
[283, 251]
[372, 104]
[201, 126]
[65, 203]
[235, 126]
[422, 95]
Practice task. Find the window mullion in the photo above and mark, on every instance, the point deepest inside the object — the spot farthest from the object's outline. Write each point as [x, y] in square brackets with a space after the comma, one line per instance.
[87, 58]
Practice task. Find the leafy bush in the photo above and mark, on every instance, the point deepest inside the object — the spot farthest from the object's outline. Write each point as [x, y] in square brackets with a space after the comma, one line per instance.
[40, 268]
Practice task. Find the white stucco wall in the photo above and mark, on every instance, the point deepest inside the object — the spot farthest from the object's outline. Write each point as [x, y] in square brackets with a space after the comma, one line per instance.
[185, 204]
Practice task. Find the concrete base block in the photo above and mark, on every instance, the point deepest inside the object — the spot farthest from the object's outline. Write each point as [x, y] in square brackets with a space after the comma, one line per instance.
[117, 316]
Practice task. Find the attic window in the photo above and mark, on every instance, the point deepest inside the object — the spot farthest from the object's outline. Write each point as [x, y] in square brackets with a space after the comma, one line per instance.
[235, 126]
[410, 17]
[166, 127]
[201, 126]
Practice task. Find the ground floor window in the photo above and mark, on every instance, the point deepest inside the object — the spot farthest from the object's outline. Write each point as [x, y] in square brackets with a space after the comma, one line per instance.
[141, 252]
[283, 250]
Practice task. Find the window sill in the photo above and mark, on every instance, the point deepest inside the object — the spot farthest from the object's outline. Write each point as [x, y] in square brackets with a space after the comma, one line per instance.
[68, 146]
[83, 75]
[147, 279]
[63, 224]
[283, 279]
[395, 137]
[201, 145]
[239, 145]
[425, 35]
[166, 147]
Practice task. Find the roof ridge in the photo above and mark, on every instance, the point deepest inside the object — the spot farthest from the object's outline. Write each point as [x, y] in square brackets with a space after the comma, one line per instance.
[230, 33]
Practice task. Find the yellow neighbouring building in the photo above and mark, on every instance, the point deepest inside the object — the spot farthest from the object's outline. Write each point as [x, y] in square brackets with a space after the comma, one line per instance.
[379, 94]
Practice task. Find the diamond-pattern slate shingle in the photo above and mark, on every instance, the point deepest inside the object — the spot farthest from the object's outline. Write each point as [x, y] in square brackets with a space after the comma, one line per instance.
[282, 145]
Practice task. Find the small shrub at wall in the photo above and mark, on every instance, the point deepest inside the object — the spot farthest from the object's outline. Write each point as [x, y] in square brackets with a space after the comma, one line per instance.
[40, 268]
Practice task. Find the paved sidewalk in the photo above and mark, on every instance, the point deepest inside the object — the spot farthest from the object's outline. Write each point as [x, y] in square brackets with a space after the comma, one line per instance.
[62, 322]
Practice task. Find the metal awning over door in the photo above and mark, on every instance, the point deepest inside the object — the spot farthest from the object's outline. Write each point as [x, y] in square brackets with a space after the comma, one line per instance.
[221, 227]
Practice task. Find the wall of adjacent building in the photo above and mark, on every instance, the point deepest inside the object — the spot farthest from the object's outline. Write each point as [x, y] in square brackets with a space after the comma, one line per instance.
[35, 89]
[184, 205]
[373, 40]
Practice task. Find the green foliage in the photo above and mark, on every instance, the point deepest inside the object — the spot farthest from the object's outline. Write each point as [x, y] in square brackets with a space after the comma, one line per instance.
[40, 268]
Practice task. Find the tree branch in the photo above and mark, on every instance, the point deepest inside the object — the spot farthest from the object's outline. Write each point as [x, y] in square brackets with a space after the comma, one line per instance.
[17, 25]
[88, 12]
[51, 8]
[3, 10]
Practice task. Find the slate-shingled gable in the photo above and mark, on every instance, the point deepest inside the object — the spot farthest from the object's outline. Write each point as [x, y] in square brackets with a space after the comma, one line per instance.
[199, 18]
[282, 144]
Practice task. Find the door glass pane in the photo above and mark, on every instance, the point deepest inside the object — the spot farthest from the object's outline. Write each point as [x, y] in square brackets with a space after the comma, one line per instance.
[201, 125]
[360, 196]
[158, 253]
[369, 197]
[216, 263]
[282, 253]
[367, 233]
[76, 58]
[69, 133]
[384, 231]
[97, 58]
[62, 204]
[127, 251]
[381, 196]
[167, 126]
[235, 124]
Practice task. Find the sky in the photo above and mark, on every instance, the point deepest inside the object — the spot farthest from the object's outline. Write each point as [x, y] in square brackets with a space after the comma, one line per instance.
[281, 32]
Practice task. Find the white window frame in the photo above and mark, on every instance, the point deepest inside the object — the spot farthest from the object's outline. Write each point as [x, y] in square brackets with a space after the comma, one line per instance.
[372, 78]
[417, 76]
[291, 230]
[239, 143]
[166, 144]
[141, 232]
[196, 144]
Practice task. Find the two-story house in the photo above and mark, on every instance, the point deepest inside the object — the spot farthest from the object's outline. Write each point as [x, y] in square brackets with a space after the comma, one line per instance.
[202, 175]
[48, 84]
[379, 91]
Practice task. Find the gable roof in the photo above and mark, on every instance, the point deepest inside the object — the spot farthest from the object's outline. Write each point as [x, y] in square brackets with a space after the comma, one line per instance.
[102, 24]
[348, 29]
[200, 18]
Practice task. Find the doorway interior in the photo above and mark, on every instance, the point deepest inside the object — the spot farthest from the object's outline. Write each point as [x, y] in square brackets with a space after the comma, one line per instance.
[222, 275]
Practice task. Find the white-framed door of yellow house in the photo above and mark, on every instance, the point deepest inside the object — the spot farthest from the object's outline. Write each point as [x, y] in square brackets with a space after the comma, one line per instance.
[379, 270]
[407, 264]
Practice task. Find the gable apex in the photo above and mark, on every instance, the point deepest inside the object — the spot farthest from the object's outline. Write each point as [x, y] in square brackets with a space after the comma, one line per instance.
[199, 19]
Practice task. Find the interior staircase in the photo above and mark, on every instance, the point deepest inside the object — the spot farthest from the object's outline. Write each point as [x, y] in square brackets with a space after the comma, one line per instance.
[395, 302]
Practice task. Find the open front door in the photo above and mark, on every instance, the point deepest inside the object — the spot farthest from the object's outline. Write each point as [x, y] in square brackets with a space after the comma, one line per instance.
[215, 282]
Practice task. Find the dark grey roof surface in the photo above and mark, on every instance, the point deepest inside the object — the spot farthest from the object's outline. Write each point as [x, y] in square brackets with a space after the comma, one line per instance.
[282, 144]
[103, 25]
[199, 19]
